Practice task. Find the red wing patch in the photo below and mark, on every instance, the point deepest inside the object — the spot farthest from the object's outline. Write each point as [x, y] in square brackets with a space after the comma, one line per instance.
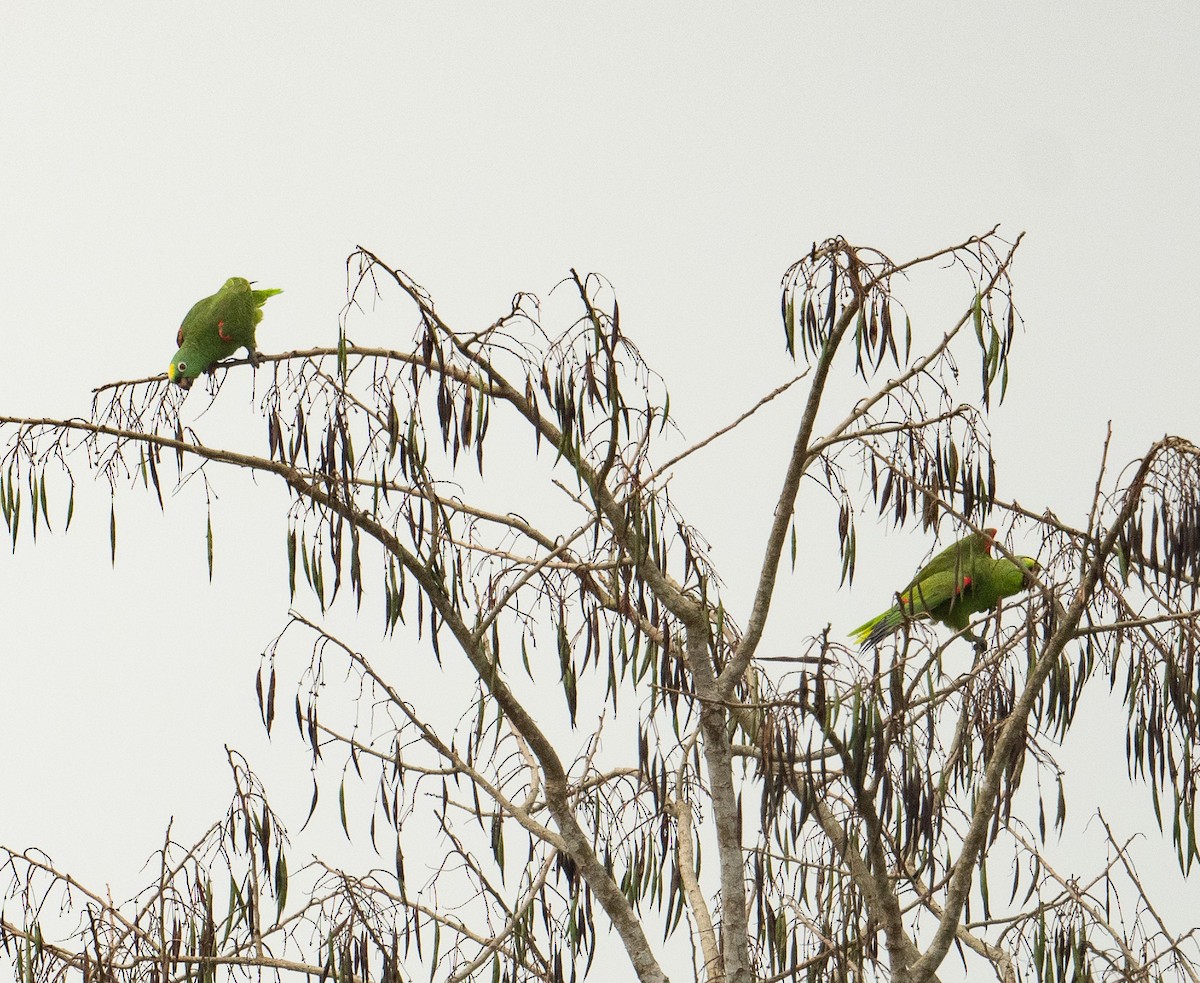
[221, 332]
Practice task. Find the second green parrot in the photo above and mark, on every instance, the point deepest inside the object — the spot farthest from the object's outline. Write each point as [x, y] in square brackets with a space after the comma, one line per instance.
[216, 327]
[962, 580]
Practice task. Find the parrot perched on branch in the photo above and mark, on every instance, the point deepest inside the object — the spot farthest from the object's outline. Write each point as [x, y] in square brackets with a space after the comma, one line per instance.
[216, 327]
[960, 581]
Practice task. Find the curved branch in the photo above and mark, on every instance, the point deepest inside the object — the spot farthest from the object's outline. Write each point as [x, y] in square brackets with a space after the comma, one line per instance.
[1013, 732]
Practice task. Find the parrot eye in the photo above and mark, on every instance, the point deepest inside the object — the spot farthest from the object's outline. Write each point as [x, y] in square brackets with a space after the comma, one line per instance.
[181, 367]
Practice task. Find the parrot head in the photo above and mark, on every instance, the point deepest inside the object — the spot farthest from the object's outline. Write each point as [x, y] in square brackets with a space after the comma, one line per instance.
[197, 340]
[185, 366]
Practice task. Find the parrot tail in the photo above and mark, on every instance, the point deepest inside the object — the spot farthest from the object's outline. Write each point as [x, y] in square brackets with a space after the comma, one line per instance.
[882, 626]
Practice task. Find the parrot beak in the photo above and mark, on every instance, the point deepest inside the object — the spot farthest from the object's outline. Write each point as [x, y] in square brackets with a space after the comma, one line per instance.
[182, 381]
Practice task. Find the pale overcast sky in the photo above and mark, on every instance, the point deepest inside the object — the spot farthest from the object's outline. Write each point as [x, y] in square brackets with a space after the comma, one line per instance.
[689, 152]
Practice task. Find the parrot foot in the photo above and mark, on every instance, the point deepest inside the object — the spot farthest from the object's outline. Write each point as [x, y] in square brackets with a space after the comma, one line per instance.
[976, 640]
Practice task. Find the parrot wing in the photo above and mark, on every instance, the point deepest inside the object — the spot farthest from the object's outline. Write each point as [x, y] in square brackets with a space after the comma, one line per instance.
[958, 557]
[935, 596]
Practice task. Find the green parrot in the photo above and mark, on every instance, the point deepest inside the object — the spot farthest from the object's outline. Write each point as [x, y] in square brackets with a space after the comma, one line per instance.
[962, 580]
[216, 327]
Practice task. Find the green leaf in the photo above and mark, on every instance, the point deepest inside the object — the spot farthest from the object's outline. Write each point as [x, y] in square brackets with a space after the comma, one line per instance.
[497, 838]
[15, 498]
[568, 670]
[437, 945]
[393, 428]
[112, 534]
[281, 882]
[45, 504]
[291, 555]
[312, 808]
[849, 557]
[154, 477]
[400, 879]
[342, 807]
[319, 577]
[33, 511]
[235, 905]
